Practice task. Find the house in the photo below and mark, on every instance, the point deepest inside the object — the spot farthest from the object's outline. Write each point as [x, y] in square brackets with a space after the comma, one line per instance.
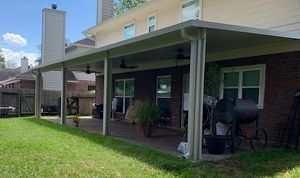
[256, 44]
[23, 78]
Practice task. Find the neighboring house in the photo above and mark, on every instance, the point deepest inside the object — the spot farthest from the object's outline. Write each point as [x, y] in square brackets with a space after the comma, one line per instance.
[22, 78]
[6, 73]
[162, 46]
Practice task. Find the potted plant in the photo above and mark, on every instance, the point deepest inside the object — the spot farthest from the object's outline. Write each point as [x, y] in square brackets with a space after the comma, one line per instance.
[76, 120]
[211, 92]
[147, 114]
[215, 143]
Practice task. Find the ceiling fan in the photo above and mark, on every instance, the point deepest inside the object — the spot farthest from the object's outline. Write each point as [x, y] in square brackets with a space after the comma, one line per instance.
[89, 71]
[123, 65]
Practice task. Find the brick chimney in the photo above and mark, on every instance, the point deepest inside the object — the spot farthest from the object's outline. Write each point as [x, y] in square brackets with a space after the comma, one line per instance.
[105, 10]
[53, 34]
[24, 65]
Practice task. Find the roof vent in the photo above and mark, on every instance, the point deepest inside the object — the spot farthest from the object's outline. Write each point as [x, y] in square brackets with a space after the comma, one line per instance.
[54, 6]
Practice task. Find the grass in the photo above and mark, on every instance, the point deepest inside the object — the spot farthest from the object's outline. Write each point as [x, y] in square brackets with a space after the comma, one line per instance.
[37, 148]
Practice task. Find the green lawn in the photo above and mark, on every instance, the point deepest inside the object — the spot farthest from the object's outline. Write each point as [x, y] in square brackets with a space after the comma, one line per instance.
[37, 148]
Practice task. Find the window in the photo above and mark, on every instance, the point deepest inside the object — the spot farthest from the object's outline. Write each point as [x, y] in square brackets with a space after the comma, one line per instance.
[152, 23]
[129, 31]
[190, 10]
[124, 91]
[163, 94]
[91, 87]
[244, 82]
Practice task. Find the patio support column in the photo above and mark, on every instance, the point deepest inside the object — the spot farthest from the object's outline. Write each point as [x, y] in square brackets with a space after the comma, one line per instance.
[38, 94]
[196, 93]
[107, 95]
[63, 97]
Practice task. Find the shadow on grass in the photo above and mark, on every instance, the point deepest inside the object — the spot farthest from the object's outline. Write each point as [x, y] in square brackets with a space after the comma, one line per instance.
[255, 164]
[150, 156]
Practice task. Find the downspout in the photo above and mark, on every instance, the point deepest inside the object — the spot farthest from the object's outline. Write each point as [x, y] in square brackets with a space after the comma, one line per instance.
[197, 67]
[191, 113]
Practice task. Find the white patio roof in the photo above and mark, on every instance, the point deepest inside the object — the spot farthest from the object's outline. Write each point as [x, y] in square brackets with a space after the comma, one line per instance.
[223, 42]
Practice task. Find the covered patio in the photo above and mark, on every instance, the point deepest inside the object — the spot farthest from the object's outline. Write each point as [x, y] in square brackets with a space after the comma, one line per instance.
[203, 41]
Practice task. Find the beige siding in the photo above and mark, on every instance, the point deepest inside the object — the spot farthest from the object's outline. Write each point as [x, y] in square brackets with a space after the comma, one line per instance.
[52, 80]
[167, 13]
[280, 15]
[53, 35]
[78, 50]
[53, 45]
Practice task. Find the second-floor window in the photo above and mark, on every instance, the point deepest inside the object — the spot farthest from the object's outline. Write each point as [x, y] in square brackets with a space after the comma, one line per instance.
[190, 10]
[152, 23]
[129, 31]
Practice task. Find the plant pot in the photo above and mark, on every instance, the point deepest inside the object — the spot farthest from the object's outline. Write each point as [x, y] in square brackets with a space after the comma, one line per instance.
[215, 144]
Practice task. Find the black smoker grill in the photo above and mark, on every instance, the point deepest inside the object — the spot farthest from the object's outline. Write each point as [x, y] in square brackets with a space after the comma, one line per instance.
[238, 112]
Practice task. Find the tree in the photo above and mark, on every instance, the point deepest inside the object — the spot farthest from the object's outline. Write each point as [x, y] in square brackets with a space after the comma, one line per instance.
[2, 62]
[125, 5]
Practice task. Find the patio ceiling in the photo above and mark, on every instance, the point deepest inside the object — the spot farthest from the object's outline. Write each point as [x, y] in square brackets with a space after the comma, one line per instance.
[223, 42]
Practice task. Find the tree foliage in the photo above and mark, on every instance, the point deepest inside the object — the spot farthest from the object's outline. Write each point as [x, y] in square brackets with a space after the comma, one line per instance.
[125, 5]
[2, 62]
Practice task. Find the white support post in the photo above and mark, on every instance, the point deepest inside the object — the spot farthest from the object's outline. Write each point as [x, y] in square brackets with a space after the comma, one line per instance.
[107, 95]
[63, 103]
[38, 94]
[196, 93]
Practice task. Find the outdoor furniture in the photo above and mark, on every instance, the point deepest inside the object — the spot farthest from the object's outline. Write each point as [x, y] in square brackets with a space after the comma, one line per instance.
[164, 119]
[5, 110]
[97, 111]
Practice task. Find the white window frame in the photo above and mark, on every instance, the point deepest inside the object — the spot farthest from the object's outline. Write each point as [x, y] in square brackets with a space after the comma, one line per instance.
[158, 77]
[124, 95]
[148, 22]
[241, 69]
[183, 2]
[126, 25]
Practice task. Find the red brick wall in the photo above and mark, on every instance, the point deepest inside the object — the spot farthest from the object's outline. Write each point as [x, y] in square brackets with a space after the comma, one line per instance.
[99, 90]
[145, 87]
[282, 80]
[27, 84]
[80, 86]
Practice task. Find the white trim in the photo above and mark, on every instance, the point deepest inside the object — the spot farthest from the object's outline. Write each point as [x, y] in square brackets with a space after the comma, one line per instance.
[159, 77]
[124, 94]
[148, 20]
[240, 87]
[129, 24]
[183, 2]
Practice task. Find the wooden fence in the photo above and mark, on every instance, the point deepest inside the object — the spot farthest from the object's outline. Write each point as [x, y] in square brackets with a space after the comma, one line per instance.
[23, 100]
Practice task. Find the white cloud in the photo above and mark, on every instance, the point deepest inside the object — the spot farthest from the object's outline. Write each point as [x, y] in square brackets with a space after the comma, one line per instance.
[14, 39]
[15, 56]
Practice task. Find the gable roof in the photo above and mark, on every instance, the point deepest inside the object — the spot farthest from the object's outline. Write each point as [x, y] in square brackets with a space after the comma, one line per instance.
[7, 73]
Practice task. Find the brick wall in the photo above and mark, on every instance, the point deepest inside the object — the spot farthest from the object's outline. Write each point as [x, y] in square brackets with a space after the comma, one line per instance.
[80, 86]
[27, 84]
[145, 87]
[282, 80]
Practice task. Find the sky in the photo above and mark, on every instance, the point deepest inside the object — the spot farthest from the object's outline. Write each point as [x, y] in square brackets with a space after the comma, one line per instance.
[21, 25]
